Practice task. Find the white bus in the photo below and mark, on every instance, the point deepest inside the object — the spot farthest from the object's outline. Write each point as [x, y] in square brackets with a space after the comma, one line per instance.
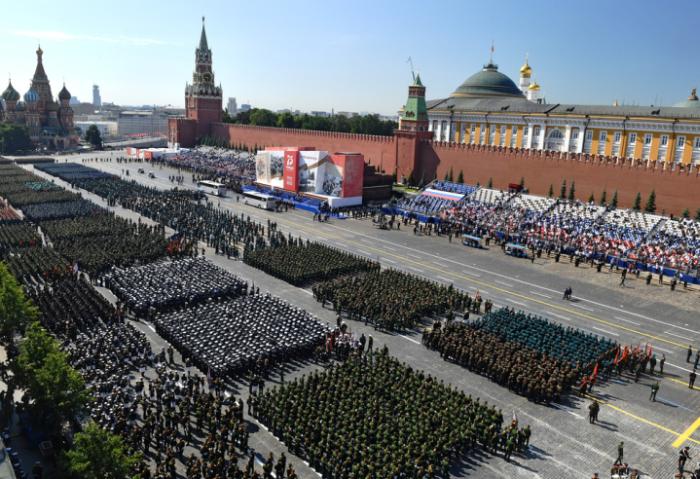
[212, 188]
[260, 200]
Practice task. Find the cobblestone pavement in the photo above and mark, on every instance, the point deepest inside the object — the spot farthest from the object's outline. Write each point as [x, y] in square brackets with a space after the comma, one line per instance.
[564, 443]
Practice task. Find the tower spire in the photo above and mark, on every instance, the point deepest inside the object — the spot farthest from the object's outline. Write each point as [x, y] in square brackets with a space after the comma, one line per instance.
[203, 45]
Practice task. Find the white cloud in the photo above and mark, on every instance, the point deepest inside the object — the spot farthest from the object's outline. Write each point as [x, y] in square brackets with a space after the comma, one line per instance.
[65, 36]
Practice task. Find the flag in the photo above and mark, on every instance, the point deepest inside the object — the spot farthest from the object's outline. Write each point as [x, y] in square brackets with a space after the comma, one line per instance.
[515, 417]
[595, 371]
[617, 356]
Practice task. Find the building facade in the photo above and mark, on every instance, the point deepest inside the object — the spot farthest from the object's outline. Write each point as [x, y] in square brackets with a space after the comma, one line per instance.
[203, 100]
[489, 109]
[142, 123]
[232, 106]
[49, 121]
[96, 97]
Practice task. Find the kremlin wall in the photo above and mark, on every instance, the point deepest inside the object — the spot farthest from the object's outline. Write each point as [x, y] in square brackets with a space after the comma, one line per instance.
[554, 143]
[677, 188]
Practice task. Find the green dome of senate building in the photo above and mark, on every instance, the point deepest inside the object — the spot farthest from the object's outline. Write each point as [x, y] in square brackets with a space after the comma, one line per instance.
[691, 102]
[489, 82]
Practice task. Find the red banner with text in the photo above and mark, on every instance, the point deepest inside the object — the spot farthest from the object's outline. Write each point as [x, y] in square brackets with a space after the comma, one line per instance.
[291, 171]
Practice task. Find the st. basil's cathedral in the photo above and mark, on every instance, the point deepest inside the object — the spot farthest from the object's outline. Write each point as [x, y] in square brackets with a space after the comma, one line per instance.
[49, 122]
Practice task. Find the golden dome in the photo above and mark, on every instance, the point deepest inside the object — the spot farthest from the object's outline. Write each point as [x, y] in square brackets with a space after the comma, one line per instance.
[525, 70]
[534, 87]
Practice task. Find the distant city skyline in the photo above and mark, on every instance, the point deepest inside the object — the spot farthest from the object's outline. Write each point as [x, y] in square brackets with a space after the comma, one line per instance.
[306, 56]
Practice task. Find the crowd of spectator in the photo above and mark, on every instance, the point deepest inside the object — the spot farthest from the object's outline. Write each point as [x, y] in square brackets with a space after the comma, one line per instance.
[234, 168]
[568, 226]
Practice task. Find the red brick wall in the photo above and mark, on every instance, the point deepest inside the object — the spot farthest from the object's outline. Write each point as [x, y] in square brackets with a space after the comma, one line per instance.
[676, 189]
[182, 131]
[379, 151]
[204, 111]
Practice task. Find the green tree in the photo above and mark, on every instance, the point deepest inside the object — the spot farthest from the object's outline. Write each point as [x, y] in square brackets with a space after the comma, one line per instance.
[262, 117]
[603, 198]
[637, 202]
[92, 136]
[452, 176]
[460, 177]
[522, 182]
[285, 120]
[490, 183]
[56, 390]
[697, 215]
[572, 191]
[98, 454]
[651, 203]
[591, 199]
[686, 213]
[562, 192]
[16, 311]
[14, 139]
[613, 203]
[447, 176]
[550, 193]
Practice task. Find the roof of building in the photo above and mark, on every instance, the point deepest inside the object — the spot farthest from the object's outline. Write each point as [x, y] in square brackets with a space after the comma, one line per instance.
[489, 105]
[203, 45]
[691, 102]
[488, 82]
[521, 106]
[526, 69]
[31, 96]
[627, 111]
[10, 94]
[64, 94]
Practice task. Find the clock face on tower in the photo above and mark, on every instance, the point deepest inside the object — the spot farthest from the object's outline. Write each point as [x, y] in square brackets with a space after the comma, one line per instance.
[207, 77]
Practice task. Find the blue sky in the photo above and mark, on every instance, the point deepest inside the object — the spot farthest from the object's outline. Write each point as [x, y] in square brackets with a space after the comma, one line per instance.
[323, 54]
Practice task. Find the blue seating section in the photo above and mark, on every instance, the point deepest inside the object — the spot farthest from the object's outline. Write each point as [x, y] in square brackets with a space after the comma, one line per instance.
[454, 187]
[430, 206]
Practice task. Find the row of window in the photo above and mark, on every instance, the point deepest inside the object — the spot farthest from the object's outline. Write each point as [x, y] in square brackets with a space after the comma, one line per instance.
[556, 134]
[663, 141]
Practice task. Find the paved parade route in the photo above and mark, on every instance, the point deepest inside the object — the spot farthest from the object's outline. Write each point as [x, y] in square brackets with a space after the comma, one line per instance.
[563, 443]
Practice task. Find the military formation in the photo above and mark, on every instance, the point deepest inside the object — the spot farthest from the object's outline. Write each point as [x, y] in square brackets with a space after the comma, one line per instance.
[182, 421]
[94, 244]
[373, 416]
[166, 284]
[565, 343]
[229, 337]
[301, 263]
[190, 213]
[17, 236]
[529, 355]
[37, 264]
[521, 370]
[393, 300]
